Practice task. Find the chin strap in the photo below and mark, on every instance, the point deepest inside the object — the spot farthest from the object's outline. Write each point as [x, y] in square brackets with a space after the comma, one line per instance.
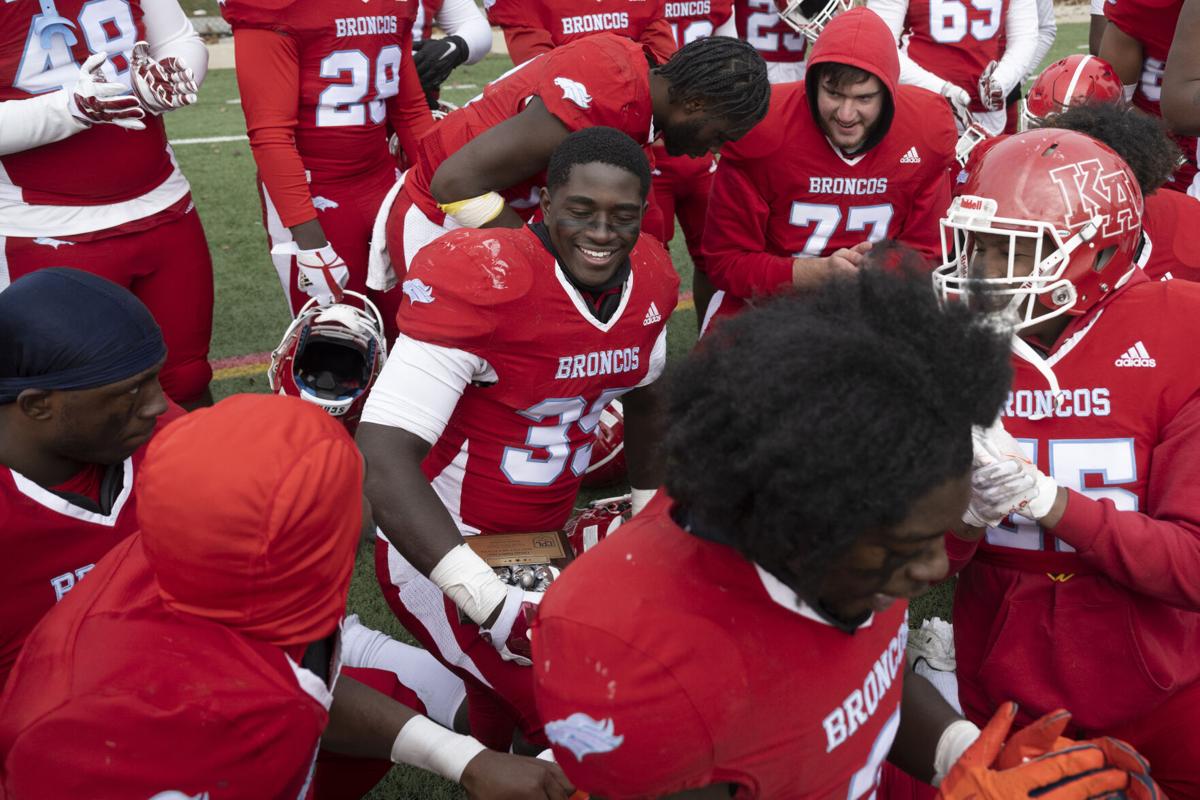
[1025, 352]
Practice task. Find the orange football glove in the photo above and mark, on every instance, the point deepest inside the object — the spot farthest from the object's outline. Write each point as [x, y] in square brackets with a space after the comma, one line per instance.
[1080, 772]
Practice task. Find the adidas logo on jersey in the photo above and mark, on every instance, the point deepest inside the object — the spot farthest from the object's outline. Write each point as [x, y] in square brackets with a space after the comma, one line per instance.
[911, 157]
[1136, 356]
[652, 315]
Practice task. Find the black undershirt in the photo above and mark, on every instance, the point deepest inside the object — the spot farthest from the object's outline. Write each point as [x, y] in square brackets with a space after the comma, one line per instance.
[602, 300]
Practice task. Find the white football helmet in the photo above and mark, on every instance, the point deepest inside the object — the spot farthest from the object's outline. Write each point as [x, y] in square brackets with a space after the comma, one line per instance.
[809, 17]
[331, 356]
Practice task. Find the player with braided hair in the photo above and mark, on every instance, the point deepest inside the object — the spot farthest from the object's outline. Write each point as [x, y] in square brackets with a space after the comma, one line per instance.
[483, 164]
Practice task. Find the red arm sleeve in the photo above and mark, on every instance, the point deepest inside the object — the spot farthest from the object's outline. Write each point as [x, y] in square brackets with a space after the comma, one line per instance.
[408, 112]
[525, 43]
[659, 37]
[268, 76]
[1156, 553]
[959, 552]
[734, 243]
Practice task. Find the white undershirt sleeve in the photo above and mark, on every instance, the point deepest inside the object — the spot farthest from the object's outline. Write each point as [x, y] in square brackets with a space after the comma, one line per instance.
[170, 34]
[463, 18]
[420, 385]
[893, 13]
[1047, 32]
[658, 359]
[1020, 42]
[727, 28]
[1098, 8]
[36, 121]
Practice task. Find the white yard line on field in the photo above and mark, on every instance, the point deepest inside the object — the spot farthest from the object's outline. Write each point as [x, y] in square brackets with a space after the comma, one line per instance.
[211, 139]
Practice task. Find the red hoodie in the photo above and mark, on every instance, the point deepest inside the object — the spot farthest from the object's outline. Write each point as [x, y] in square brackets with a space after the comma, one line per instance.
[168, 669]
[784, 190]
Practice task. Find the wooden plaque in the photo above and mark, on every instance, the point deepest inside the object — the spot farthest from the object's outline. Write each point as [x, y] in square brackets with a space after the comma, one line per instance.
[510, 549]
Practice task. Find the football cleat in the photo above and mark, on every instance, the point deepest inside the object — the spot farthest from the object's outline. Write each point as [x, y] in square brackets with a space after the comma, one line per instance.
[608, 449]
[1073, 202]
[809, 17]
[589, 525]
[331, 356]
[1070, 81]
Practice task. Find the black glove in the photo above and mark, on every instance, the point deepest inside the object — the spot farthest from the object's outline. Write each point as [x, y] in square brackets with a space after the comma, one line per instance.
[435, 58]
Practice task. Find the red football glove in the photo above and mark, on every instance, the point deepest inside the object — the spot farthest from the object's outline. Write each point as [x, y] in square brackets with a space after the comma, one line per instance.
[161, 85]
[991, 93]
[96, 101]
[1080, 772]
[509, 634]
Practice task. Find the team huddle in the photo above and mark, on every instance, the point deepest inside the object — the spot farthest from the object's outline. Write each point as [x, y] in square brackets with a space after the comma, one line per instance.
[942, 332]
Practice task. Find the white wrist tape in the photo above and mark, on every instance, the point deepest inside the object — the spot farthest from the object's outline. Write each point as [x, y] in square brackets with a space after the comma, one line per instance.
[1130, 89]
[425, 744]
[955, 740]
[468, 580]
[638, 498]
[474, 212]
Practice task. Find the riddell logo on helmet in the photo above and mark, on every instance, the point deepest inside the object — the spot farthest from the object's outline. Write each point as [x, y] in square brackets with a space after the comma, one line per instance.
[1090, 192]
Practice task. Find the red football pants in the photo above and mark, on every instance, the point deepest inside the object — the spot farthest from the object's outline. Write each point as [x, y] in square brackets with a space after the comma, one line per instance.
[499, 693]
[339, 777]
[346, 211]
[166, 266]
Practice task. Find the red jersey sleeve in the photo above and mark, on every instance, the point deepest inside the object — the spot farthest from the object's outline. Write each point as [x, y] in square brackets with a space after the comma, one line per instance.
[597, 82]
[268, 76]
[922, 229]
[408, 112]
[659, 39]
[1156, 553]
[734, 243]
[623, 727]
[525, 43]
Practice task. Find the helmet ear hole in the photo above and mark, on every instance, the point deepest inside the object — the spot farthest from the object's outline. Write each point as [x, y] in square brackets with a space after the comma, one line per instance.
[1103, 258]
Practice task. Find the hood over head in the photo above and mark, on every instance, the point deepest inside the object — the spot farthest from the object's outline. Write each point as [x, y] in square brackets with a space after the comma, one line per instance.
[250, 514]
[860, 38]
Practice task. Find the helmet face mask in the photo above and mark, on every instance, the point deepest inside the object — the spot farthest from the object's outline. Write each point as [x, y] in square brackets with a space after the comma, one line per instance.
[809, 17]
[331, 356]
[1048, 224]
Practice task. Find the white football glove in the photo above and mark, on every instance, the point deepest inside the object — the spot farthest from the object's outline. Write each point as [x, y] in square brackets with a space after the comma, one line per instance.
[510, 633]
[960, 103]
[96, 101]
[160, 85]
[991, 93]
[1004, 481]
[322, 272]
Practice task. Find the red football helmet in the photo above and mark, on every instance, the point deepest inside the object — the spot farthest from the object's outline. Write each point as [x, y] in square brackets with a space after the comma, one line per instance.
[331, 356]
[608, 449]
[1072, 197]
[809, 17]
[1067, 82]
[600, 518]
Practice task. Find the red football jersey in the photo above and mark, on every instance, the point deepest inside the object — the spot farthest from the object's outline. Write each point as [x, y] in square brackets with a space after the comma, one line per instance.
[51, 544]
[759, 24]
[427, 11]
[784, 191]
[1109, 598]
[598, 80]
[142, 701]
[1152, 23]
[695, 19]
[99, 166]
[1170, 219]
[956, 40]
[514, 452]
[651, 677]
[567, 21]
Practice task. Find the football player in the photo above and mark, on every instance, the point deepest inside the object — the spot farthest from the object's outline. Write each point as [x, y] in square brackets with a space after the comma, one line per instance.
[468, 38]
[320, 83]
[846, 158]
[782, 47]
[1170, 219]
[512, 344]
[1136, 43]
[816, 456]
[533, 27]
[483, 165]
[1181, 74]
[79, 400]
[87, 179]
[202, 659]
[973, 54]
[1085, 577]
